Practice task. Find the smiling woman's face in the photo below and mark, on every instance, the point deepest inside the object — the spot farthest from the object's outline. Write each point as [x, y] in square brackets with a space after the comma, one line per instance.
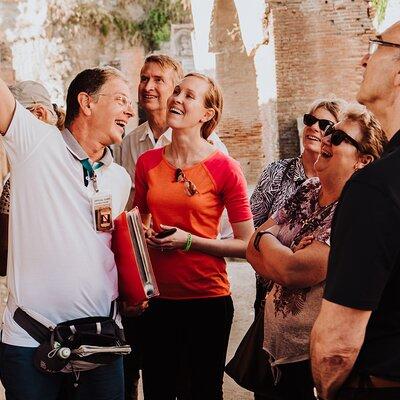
[341, 160]
[186, 104]
[312, 135]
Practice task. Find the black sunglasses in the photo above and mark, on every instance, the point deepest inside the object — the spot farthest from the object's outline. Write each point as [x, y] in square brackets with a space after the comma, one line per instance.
[310, 120]
[337, 137]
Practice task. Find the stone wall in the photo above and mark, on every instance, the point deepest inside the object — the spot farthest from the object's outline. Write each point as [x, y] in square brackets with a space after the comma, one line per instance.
[44, 47]
[7, 72]
[240, 128]
[318, 46]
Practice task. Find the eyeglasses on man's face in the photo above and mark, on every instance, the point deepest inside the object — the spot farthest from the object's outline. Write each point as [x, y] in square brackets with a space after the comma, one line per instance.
[374, 43]
[121, 99]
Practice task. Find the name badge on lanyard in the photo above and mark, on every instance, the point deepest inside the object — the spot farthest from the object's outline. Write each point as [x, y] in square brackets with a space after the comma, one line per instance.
[101, 203]
[102, 212]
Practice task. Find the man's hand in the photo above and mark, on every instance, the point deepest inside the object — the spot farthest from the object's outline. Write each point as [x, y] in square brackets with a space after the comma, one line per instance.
[133, 310]
[304, 242]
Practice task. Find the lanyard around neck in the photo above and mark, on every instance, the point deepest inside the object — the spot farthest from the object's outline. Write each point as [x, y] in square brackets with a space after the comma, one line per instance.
[89, 172]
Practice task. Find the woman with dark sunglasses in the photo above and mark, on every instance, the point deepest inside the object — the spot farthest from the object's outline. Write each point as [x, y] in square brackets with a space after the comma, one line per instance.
[291, 249]
[280, 179]
[184, 187]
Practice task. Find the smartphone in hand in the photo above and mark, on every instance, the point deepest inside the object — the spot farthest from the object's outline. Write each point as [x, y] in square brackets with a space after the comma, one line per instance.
[166, 232]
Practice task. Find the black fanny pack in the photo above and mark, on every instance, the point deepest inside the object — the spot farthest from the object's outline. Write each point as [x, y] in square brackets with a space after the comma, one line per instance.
[77, 345]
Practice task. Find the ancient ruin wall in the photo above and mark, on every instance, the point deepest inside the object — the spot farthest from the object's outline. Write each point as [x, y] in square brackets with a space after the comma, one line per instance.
[240, 128]
[318, 47]
[43, 47]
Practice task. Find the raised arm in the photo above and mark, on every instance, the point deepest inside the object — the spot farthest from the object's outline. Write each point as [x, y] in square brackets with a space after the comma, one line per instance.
[336, 340]
[7, 107]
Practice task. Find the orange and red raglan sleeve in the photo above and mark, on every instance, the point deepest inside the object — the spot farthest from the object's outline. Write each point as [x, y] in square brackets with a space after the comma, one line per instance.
[231, 185]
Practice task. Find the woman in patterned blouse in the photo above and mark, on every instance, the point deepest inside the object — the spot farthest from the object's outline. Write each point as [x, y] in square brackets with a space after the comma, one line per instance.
[280, 179]
[291, 249]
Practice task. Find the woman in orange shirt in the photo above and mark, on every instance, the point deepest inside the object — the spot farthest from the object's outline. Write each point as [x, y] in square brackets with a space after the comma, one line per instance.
[186, 186]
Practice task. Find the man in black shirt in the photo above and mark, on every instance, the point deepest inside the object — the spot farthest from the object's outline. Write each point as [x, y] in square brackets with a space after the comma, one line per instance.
[355, 343]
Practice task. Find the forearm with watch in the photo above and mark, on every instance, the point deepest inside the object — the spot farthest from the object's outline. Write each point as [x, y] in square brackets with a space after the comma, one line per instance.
[259, 235]
[268, 255]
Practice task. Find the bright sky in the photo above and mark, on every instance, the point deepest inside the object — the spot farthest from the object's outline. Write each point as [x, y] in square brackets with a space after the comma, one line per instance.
[252, 34]
[392, 14]
[201, 10]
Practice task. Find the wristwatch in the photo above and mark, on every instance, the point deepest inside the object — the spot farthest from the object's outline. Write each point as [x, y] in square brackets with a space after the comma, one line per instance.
[258, 237]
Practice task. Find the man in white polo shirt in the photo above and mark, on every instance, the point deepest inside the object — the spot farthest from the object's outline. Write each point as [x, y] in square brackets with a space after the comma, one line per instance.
[60, 265]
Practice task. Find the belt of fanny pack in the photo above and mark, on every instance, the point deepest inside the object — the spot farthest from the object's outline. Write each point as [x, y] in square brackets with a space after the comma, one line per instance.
[40, 332]
[63, 356]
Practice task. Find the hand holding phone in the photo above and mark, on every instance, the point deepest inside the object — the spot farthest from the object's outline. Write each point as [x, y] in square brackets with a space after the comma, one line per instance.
[166, 232]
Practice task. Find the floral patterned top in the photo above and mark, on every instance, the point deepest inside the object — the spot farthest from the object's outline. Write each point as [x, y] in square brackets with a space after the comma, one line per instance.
[291, 313]
[278, 181]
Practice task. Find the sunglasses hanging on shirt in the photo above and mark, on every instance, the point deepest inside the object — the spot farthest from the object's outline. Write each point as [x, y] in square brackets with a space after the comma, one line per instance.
[190, 187]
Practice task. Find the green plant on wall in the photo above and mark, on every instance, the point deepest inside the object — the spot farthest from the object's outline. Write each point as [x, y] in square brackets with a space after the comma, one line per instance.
[380, 7]
[153, 29]
[156, 27]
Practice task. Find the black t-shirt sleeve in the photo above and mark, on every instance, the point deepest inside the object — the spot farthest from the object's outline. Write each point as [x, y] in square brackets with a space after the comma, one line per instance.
[365, 242]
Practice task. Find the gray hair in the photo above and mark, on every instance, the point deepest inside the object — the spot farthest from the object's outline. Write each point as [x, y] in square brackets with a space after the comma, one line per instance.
[373, 137]
[332, 104]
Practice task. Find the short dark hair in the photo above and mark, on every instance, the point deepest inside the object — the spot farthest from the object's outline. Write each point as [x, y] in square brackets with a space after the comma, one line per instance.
[89, 81]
